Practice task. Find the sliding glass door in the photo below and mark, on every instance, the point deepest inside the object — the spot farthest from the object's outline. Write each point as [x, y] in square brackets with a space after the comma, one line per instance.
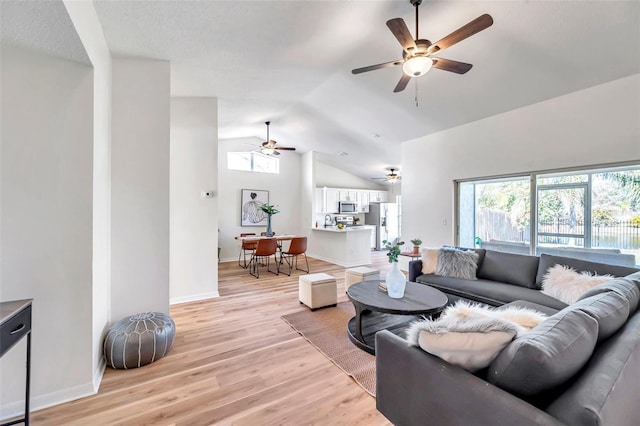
[592, 214]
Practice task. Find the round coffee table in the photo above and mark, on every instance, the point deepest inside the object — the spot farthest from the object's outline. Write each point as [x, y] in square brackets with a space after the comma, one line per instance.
[376, 311]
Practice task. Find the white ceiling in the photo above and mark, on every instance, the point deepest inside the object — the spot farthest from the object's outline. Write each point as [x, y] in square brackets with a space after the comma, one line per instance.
[289, 62]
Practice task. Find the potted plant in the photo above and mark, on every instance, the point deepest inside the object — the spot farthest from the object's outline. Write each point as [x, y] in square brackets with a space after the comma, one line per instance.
[416, 245]
[396, 281]
[270, 210]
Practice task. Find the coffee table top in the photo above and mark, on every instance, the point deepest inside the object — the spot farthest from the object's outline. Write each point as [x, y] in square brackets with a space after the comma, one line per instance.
[418, 299]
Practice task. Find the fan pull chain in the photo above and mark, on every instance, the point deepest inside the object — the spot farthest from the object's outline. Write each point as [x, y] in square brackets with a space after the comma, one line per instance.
[416, 92]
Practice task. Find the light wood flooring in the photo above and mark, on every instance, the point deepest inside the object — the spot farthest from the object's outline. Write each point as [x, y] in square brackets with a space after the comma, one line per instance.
[234, 361]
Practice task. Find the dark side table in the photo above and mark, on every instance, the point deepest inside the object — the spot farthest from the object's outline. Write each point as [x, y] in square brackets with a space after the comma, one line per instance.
[376, 311]
[15, 323]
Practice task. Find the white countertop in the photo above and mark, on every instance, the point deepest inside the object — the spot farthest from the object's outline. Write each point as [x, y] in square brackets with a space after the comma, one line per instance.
[347, 229]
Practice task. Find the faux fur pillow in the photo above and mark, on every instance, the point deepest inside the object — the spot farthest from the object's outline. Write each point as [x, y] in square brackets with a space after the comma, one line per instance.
[471, 335]
[429, 260]
[565, 284]
[457, 263]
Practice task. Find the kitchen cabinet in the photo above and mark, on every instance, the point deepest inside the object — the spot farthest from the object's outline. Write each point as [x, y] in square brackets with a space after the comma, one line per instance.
[378, 197]
[363, 201]
[348, 195]
[327, 199]
[332, 197]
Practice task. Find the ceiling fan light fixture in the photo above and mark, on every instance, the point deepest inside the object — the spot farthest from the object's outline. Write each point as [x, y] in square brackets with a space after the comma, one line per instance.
[417, 66]
[268, 151]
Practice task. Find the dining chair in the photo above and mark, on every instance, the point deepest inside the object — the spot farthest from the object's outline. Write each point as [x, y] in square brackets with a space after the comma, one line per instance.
[247, 246]
[264, 234]
[297, 247]
[264, 250]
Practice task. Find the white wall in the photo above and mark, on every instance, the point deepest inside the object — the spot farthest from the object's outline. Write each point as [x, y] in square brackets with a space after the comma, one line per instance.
[284, 191]
[194, 220]
[332, 177]
[598, 125]
[46, 223]
[85, 20]
[140, 187]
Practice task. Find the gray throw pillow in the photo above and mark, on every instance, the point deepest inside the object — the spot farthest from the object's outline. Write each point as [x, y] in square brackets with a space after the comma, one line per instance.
[457, 263]
[546, 356]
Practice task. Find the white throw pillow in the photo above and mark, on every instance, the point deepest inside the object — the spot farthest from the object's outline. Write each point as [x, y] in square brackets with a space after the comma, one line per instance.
[471, 351]
[565, 284]
[472, 335]
[429, 260]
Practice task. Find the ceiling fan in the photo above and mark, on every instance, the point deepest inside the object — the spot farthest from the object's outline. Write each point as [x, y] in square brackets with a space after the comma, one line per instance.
[270, 147]
[391, 177]
[416, 54]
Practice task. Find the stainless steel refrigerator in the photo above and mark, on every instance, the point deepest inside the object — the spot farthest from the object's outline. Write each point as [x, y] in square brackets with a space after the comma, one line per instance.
[384, 216]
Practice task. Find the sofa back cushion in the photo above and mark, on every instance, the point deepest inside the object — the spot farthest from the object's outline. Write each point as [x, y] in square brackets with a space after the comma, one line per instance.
[546, 356]
[547, 261]
[516, 269]
[607, 390]
[625, 287]
[610, 309]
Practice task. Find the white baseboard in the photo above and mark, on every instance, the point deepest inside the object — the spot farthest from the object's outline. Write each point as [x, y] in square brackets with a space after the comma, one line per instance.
[346, 265]
[40, 402]
[194, 297]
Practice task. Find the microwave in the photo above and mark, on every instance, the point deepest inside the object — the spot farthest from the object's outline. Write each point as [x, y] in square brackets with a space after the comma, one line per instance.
[348, 207]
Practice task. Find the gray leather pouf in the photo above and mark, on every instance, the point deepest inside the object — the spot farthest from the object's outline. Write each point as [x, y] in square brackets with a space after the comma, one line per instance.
[139, 340]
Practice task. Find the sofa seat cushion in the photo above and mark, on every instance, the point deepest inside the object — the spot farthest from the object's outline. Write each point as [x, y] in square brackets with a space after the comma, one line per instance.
[516, 269]
[606, 390]
[610, 309]
[547, 261]
[625, 287]
[490, 292]
[546, 356]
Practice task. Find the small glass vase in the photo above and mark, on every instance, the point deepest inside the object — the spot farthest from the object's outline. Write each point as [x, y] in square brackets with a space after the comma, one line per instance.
[396, 282]
[269, 231]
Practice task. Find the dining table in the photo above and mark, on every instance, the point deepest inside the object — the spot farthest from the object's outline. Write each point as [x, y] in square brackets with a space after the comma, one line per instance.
[279, 237]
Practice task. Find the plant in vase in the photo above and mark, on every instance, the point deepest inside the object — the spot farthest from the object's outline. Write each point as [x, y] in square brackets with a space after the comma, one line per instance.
[416, 245]
[270, 210]
[396, 281]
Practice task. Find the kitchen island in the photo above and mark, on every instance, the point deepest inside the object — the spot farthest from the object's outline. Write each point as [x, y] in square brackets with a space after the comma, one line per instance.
[346, 247]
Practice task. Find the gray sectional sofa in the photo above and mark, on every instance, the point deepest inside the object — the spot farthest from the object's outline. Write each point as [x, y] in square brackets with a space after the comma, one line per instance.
[581, 366]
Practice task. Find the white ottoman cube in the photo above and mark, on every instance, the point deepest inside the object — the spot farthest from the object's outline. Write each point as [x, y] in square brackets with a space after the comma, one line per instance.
[317, 290]
[361, 273]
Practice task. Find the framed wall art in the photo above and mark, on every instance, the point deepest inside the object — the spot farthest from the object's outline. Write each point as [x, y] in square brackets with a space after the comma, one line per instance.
[250, 202]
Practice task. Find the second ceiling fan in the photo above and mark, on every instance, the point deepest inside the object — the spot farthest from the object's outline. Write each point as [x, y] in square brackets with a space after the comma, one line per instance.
[270, 147]
[416, 54]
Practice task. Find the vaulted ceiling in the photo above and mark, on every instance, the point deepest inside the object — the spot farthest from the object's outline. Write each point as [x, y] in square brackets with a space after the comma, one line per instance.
[290, 62]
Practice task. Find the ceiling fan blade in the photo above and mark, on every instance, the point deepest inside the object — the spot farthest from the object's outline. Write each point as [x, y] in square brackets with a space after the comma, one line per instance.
[275, 153]
[376, 67]
[401, 32]
[480, 23]
[450, 65]
[284, 148]
[404, 80]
